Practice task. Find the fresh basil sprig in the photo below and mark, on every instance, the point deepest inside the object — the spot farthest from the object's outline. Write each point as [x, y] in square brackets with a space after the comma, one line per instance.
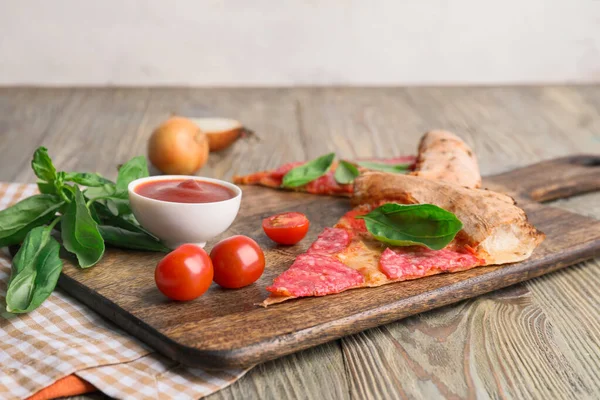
[35, 271]
[18, 220]
[80, 233]
[383, 167]
[345, 172]
[413, 224]
[87, 220]
[120, 237]
[308, 172]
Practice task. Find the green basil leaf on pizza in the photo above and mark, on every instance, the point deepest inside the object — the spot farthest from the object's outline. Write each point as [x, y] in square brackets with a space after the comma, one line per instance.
[412, 224]
[308, 172]
[384, 167]
[345, 173]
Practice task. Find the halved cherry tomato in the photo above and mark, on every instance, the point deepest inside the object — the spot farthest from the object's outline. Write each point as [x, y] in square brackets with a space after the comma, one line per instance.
[286, 228]
[238, 261]
[185, 273]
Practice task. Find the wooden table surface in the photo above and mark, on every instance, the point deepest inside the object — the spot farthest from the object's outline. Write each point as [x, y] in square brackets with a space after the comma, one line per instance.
[537, 340]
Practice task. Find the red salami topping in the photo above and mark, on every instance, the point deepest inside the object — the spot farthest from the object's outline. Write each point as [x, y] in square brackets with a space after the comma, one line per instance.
[285, 168]
[331, 241]
[417, 262]
[349, 221]
[327, 184]
[315, 275]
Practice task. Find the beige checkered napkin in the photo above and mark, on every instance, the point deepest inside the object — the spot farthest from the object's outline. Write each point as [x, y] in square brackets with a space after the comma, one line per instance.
[63, 337]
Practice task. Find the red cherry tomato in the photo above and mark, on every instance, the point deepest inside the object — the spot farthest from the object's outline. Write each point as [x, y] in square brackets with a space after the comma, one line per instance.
[238, 261]
[185, 273]
[286, 228]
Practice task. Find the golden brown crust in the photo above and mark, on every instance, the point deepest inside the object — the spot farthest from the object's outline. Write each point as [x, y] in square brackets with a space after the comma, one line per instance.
[493, 225]
[443, 156]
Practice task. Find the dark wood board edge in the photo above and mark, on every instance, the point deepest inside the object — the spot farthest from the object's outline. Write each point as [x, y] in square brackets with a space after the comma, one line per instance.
[322, 333]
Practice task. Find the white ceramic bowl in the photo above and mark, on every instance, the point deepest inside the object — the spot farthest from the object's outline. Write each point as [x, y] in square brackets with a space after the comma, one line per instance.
[179, 223]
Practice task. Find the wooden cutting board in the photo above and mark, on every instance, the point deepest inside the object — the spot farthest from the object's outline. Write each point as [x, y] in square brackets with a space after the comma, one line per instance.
[224, 328]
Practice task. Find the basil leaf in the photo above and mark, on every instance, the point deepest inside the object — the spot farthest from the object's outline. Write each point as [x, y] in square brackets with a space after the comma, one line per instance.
[42, 165]
[414, 224]
[118, 206]
[119, 237]
[345, 172]
[104, 191]
[393, 168]
[309, 171]
[35, 271]
[18, 220]
[87, 179]
[126, 222]
[46, 188]
[80, 233]
[133, 169]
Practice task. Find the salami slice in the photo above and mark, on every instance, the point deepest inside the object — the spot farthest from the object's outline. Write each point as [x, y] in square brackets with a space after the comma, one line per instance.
[418, 262]
[328, 184]
[332, 240]
[315, 275]
[285, 168]
[350, 223]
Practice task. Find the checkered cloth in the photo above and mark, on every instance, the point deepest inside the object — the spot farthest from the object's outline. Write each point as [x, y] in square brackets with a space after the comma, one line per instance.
[63, 337]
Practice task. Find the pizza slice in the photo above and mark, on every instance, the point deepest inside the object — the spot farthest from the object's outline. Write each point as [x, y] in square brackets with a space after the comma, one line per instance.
[325, 184]
[442, 156]
[348, 256]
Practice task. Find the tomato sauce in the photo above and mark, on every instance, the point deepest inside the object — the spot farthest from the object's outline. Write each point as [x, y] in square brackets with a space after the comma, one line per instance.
[184, 191]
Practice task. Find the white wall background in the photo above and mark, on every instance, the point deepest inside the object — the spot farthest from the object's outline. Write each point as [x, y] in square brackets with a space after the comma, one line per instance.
[294, 42]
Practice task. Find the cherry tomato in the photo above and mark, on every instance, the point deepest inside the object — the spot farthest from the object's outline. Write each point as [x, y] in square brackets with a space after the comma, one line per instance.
[238, 261]
[286, 228]
[185, 273]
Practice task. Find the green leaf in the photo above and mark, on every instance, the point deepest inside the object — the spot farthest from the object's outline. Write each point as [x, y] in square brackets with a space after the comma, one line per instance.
[415, 224]
[126, 222]
[46, 188]
[80, 233]
[393, 168]
[119, 237]
[118, 206]
[309, 171]
[133, 169]
[42, 165]
[18, 220]
[87, 179]
[345, 172]
[35, 271]
[104, 191]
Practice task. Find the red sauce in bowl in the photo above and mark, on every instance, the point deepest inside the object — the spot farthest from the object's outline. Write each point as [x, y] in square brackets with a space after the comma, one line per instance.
[184, 191]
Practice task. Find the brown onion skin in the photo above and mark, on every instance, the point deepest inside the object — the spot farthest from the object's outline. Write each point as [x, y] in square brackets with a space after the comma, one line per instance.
[178, 147]
[222, 140]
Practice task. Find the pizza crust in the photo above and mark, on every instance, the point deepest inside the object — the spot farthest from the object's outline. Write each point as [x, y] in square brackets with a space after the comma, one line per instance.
[493, 225]
[443, 156]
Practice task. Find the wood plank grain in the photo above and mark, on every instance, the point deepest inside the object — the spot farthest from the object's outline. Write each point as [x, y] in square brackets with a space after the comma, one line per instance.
[563, 122]
[226, 329]
[509, 127]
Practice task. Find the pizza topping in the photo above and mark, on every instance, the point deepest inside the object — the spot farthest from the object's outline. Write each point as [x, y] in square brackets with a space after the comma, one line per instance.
[315, 275]
[285, 168]
[346, 172]
[351, 223]
[327, 184]
[332, 240]
[418, 262]
[402, 168]
[412, 224]
[308, 172]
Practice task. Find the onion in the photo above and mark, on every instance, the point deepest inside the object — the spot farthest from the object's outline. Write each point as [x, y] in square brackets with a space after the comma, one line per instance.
[221, 132]
[178, 147]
